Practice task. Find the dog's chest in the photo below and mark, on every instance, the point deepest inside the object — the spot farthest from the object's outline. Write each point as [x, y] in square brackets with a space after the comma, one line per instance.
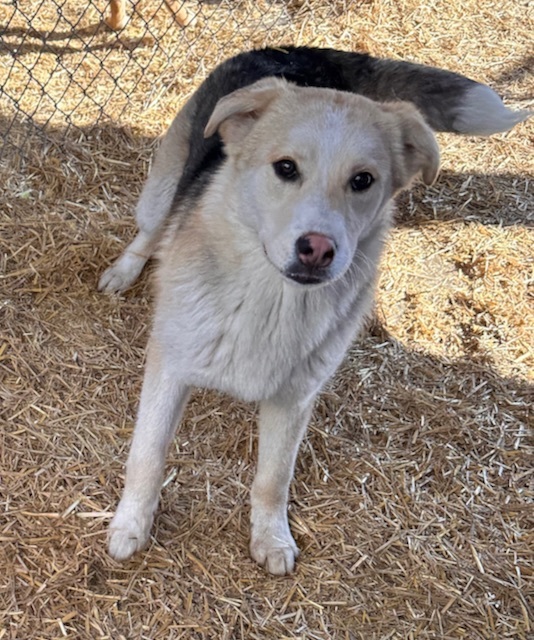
[250, 336]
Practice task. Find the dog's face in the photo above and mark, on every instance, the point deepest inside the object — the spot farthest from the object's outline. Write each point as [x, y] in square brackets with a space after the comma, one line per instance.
[315, 169]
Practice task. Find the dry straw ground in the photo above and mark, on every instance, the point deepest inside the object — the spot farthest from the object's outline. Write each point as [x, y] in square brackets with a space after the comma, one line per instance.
[412, 500]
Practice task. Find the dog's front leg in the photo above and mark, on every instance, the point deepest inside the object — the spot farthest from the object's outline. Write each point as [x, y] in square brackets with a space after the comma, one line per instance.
[282, 425]
[163, 399]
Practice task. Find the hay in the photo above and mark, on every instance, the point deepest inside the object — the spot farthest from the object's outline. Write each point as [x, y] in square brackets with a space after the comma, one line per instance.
[412, 499]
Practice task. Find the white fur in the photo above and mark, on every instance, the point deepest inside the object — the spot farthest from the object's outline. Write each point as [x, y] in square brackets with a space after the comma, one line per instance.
[483, 113]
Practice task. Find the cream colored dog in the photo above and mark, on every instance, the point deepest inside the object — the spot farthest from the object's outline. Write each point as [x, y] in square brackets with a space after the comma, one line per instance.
[264, 280]
[274, 202]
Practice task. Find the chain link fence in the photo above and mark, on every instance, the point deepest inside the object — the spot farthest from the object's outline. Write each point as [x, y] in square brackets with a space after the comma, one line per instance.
[67, 65]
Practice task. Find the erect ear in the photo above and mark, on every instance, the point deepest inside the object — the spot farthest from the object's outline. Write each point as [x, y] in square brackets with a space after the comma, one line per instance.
[235, 114]
[415, 149]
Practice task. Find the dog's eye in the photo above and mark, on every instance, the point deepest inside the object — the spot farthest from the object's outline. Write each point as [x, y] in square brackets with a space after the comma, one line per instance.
[361, 181]
[286, 169]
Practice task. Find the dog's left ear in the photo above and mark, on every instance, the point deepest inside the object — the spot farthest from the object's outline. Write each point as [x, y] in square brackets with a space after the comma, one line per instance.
[235, 114]
[415, 149]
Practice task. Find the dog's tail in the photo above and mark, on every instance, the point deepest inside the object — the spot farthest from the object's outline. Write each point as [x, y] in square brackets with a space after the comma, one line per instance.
[449, 101]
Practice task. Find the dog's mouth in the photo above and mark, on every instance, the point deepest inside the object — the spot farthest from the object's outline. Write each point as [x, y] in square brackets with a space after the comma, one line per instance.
[306, 279]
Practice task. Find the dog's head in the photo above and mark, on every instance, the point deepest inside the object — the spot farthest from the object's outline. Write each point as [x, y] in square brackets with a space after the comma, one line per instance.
[314, 170]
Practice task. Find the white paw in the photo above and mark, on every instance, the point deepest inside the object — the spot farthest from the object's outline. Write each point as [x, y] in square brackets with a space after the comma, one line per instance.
[128, 532]
[122, 273]
[274, 548]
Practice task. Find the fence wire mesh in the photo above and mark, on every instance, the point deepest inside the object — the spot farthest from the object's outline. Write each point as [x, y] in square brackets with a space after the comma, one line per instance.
[63, 66]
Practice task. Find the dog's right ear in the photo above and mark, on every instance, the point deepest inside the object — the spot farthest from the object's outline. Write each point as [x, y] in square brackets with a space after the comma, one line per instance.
[235, 114]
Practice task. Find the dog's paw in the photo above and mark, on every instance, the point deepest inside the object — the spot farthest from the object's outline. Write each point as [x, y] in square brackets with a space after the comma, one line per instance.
[122, 273]
[128, 533]
[275, 550]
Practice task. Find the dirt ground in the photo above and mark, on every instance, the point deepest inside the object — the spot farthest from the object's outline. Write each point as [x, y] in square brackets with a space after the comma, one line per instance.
[412, 501]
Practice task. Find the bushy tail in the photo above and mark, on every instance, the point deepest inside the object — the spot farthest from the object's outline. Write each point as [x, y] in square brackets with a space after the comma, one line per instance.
[449, 101]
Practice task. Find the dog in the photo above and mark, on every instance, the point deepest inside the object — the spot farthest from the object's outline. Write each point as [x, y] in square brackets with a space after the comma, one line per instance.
[269, 200]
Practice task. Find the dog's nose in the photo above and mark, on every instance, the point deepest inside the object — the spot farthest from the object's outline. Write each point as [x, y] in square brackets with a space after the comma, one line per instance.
[315, 250]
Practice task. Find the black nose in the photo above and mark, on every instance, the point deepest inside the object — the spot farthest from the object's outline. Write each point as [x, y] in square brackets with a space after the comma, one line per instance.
[315, 250]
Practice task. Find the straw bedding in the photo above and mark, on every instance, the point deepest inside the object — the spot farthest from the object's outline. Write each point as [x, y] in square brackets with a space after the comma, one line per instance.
[412, 498]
